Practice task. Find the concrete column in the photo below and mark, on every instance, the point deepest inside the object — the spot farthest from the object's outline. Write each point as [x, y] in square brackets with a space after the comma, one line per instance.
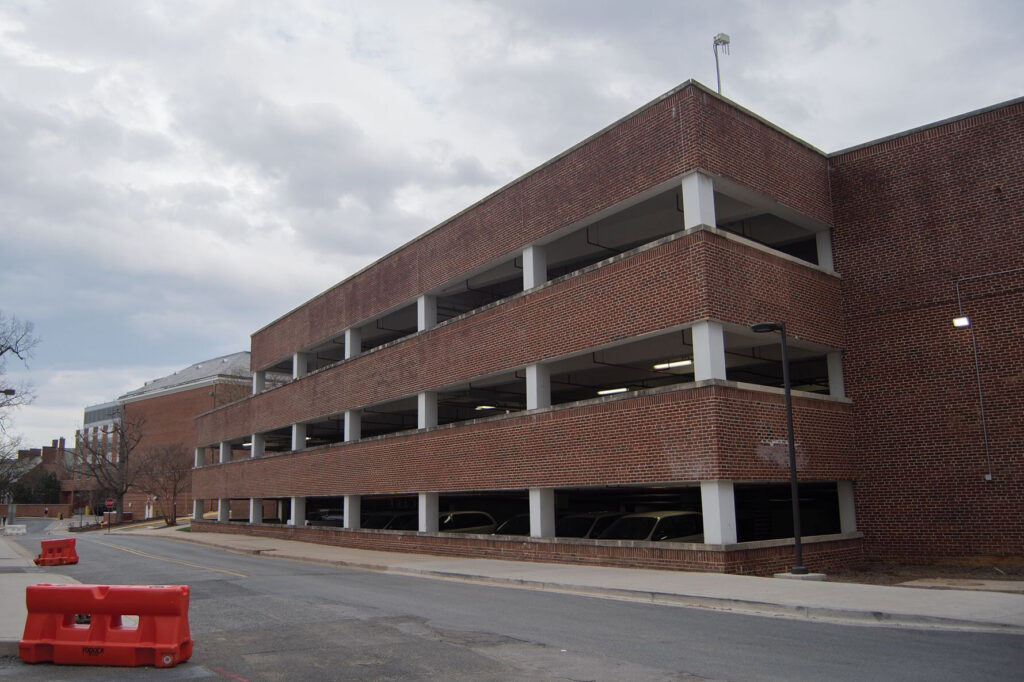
[535, 266]
[718, 504]
[259, 382]
[298, 515]
[708, 351]
[225, 452]
[426, 410]
[698, 201]
[223, 510]
[300, 365]
[353, 425]
[280, 510]
[298, 436]
[823, 240]
[847, 510]
[255, 510]
[428, 511]
[538, 386]
[258, 446]
[426, 312]
[836, 385]
[353, 512]
[542, 512]
[353, 342]
[197, 509]
[199, 459]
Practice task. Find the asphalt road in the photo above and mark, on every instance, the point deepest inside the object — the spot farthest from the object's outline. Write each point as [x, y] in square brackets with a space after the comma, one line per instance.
[256, 618]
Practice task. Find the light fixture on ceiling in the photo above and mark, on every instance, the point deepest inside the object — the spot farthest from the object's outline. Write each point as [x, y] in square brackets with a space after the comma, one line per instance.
[485, 407]
[673, 364]
[610, 391]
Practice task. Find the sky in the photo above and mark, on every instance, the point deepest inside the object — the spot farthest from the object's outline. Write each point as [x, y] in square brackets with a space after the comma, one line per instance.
[176, 175]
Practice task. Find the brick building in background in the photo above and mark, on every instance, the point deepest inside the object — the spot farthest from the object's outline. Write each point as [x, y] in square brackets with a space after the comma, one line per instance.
[167, 407]
[579, 342]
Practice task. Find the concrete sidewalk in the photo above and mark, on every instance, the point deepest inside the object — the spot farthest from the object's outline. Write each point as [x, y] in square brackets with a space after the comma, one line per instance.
[810, 600]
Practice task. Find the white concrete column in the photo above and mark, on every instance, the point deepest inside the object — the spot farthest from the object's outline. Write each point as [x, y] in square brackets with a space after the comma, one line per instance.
[280, 510]
[847, 510]
[353, 512]
[698, 201]
[197, 509]
[300, 365]
[223, 510]
[428, 511]
[258, 445]
[718, 504]
[426, 410]
[198, 461]
[542, 512]
[353, 342]
[538, 386]
[255, 510]
[836, 385]
[298, 436]
[259, 382]
[708, 351]
[823, 240]
[353, 425]
[535, 266]
[298, 515]
[225, 452]
[426, 312]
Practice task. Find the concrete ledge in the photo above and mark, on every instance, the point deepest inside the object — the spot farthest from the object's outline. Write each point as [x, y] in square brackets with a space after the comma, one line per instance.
[14, 530]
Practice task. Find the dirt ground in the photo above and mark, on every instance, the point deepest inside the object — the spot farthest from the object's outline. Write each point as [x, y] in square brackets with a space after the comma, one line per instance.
[894, 574]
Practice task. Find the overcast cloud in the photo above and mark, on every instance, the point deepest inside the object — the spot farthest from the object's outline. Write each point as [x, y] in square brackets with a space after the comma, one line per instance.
[175, 175]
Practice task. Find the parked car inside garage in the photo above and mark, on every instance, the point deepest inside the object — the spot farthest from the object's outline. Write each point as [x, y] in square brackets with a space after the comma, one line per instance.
[679, 526]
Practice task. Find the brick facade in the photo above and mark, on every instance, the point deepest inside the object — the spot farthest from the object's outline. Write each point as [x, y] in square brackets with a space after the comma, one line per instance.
[906, 219]
[914, 215]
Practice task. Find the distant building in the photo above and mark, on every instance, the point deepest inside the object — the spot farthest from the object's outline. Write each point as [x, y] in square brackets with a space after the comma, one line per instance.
[580, 341]
[168, 405]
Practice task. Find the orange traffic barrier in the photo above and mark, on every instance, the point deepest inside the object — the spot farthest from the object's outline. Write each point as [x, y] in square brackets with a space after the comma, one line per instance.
[93, 625]
[57, 553]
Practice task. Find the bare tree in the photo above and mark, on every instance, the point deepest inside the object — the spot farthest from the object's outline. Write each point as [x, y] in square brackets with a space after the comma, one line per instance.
[166, 473]
[17, 339]
[10, 468]
[110, 458]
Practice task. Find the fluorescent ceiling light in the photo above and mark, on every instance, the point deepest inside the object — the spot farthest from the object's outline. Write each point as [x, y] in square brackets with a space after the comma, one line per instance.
[609, 391]
[962, 321]
[674, 363]
[486, 407]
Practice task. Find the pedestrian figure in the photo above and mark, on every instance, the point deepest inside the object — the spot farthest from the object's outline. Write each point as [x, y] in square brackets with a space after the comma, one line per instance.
[46, 512]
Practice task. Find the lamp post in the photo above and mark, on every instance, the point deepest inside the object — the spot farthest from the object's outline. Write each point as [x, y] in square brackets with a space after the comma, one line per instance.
[8, 391]
[760, 328]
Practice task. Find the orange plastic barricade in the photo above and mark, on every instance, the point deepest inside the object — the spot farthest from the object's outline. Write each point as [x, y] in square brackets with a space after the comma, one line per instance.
[57, 553]
[82, 625]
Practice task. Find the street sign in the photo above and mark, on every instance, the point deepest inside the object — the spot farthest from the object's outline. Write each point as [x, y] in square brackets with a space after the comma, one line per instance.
[110, 503]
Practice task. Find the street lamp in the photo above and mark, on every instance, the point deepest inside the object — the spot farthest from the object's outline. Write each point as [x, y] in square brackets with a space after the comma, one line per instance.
[8, 391]
[761, 328]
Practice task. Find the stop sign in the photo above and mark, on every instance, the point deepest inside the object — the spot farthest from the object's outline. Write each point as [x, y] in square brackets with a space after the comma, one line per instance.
[110, 503]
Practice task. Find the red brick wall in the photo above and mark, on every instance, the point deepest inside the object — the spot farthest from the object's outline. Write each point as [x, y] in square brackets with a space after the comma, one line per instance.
[690, 128]
[169, 420]
[665, 435]
[823, 553]
[912, 216]
[604, 305]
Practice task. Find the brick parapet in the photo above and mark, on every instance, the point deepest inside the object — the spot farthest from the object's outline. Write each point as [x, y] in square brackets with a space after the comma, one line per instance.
[707, 431]
[689, 129]
[680, 280]
[824, 553]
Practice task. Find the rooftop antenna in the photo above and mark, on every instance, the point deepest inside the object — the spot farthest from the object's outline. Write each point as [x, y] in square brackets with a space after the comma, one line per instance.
[723, 40]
